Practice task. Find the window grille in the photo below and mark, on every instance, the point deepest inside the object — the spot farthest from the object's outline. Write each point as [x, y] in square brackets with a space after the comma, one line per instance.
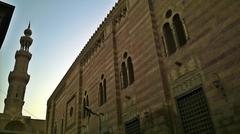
[132, 126]
[194, 112]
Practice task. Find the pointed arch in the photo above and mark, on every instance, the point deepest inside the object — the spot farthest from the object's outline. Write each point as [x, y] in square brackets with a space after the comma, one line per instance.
[87, 104]
[169, 39]
[84, 105]
[100, 94]
[124, 75]
[104, 91]
[179, 30]
[130, 70]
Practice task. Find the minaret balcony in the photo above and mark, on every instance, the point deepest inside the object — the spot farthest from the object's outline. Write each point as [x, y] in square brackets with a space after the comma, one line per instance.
[22, 53]
[18, 76]
[26, 40]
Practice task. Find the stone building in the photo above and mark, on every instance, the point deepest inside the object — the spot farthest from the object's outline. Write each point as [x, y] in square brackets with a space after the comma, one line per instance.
[155, 67]
[11, 120]
[6, 12]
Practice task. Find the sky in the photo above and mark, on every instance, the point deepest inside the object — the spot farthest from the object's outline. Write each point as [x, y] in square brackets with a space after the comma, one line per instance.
[60, 29]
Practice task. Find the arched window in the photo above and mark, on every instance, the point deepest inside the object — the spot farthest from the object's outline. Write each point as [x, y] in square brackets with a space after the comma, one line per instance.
[169, 38]
[127, 71]
[175, 34]
[100, 94]
[104, 91]
[71, 112]
[130, 70]
[179, 30]
[85, 104]
[124, 75]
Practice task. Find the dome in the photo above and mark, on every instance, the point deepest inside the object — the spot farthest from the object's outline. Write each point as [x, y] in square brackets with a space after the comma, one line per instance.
[28, 31]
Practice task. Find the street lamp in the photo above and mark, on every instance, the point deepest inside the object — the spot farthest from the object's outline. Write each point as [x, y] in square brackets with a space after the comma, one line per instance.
[89, 110]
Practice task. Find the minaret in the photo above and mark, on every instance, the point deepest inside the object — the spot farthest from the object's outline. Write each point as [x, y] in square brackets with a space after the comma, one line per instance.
[18, 78]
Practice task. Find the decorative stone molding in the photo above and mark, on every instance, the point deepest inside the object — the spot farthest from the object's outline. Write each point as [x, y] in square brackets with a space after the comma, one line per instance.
[70, 117]
[113, 16]
[186, 84]
[19, 76]
[130, 108]
[181, 71]
[121, 15]
[129, 101]
[130, 114]
[185, 77]
[98, 42]
[107, 31]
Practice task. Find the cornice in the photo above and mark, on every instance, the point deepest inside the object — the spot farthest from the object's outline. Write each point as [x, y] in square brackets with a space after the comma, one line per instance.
[98, 35]
[90, 46]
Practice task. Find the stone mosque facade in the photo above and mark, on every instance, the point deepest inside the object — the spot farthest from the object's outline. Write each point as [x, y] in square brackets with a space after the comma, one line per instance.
[154, 67]
[11, 120]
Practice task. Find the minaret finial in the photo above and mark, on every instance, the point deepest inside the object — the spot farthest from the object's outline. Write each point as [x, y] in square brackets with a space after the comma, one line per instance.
[29, 25]
[26, 40]
[28, 31]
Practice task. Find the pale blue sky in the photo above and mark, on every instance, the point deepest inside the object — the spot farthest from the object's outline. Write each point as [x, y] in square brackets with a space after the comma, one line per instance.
[60, 30]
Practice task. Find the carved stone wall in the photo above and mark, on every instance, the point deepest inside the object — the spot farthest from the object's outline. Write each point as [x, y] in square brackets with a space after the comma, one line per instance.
[135, 27]
[185, 77]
